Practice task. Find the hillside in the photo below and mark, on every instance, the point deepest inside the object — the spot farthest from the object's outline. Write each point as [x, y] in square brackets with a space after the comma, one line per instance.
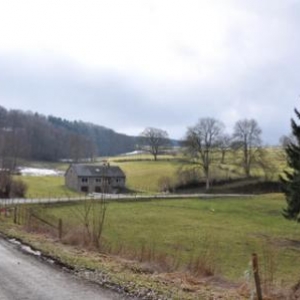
[28, 135]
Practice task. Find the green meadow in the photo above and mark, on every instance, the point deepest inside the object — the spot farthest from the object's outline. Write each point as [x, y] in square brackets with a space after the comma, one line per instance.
[143, 174]
[198, 236]
[223, 231]
[46, 187]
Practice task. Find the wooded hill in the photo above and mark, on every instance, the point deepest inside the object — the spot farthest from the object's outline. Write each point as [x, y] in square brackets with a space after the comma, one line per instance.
[38, 137]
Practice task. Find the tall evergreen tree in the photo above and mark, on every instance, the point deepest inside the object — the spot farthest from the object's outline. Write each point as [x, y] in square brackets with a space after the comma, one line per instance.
[291, 179]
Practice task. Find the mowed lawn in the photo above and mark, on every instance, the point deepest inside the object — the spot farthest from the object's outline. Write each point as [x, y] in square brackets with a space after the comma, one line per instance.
[225, 231]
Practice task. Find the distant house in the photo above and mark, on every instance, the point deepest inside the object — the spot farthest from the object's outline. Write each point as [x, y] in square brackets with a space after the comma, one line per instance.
[91, 178]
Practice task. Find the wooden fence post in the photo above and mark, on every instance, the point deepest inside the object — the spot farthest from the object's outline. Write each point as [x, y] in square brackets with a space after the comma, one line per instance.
[256, 276]
[60, 229]
[15, 214]
[18, 215]
[29, 219]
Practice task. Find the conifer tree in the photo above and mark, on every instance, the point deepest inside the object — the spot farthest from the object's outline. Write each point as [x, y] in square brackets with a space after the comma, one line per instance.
[291, 179]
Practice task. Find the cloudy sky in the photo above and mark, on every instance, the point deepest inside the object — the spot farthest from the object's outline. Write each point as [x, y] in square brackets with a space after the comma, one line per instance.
[132, 64]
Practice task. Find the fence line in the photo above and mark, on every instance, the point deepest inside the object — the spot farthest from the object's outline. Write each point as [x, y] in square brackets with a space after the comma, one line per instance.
[31, 218]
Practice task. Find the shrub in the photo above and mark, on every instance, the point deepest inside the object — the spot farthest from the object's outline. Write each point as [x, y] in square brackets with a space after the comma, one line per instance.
[188, 177]
[18, 189]
[5, 184]
[165, 184]
[9, 187]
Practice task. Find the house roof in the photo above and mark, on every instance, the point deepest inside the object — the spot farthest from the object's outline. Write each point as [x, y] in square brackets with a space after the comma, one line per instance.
[97, 171]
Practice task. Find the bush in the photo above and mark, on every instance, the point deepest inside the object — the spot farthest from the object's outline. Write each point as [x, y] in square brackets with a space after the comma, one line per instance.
[5, 184]
[9, 187]
[165, 184]
[188, 177]
[18, 189]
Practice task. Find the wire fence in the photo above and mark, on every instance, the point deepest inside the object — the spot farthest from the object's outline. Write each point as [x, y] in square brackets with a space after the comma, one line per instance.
[33, 218]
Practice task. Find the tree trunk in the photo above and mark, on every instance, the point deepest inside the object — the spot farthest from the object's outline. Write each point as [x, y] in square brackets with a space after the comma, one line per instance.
[223, 157]
[207, 184]
[206, 172]
[247, 170]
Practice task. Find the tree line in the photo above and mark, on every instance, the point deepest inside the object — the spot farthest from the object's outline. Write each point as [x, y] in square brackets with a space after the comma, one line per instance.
[208, 136]
[33, 136]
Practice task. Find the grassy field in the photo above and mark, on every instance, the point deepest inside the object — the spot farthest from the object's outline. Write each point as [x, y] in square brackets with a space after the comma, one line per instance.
[46, 187]
[141, 176]
[225, 232]
[198, 236]
[144, 175]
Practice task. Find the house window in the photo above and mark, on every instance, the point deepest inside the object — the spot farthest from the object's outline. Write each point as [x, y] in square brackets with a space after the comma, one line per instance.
[98, 179]
[84, 179]
[84, 189]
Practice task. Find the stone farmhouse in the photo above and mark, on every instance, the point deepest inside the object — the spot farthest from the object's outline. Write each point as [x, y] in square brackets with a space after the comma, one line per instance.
[95, 179]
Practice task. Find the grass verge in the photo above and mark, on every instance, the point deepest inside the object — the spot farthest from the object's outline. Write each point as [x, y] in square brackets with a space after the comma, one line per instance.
[125, 276]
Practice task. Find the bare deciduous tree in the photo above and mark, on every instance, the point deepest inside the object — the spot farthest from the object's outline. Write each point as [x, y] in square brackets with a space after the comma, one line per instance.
[285, 140]
[155, 140]
[247, 137]
[267, 163]
[201, 140]
[224, 145]
[92, 216]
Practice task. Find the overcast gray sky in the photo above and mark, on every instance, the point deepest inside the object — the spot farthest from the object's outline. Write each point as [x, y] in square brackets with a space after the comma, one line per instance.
[132, 64]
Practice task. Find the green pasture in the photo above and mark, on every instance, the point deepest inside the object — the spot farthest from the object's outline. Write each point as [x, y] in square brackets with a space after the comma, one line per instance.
[46, 187]
[143, 174]
[224, 231]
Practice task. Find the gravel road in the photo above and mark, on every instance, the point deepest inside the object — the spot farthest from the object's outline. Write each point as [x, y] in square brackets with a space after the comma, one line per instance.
[23, 276]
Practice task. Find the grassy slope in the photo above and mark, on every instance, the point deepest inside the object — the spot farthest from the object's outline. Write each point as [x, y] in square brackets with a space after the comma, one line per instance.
[46, 187]
[143, 174]
[229, 230]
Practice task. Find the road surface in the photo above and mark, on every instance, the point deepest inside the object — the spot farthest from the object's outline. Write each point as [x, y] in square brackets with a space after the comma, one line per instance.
[112, 197]
[23, 276]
